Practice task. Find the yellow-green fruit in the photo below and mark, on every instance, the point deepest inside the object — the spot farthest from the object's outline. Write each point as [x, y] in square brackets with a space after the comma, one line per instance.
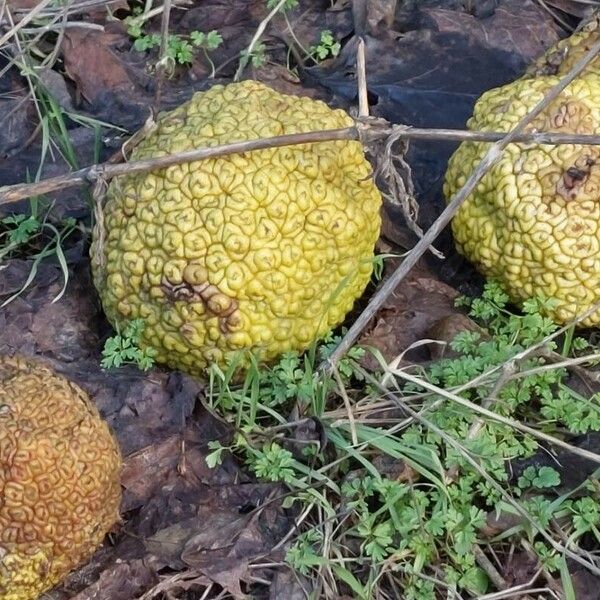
[533, 221]
[262, 251]
[560, 58]
[59, 478]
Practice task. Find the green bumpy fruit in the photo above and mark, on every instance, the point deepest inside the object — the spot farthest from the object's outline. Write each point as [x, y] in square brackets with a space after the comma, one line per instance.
[533, 221]
[261, 252]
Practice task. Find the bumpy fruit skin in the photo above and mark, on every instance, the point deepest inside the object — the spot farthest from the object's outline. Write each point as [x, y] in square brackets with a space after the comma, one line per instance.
[533, 221]
[59, 478]
[262, 252]
[560, 58]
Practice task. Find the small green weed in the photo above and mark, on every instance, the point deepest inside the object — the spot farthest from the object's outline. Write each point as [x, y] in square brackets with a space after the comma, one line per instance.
[424, 531]
[327, 47]
[124, 348]
[180, 48]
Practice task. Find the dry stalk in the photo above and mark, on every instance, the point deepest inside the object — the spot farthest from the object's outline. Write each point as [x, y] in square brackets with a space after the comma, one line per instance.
[540, 435]
[257, 35]
[87, 175]
[486, 564]
[369, 132]
[361, 77]
[75, 8]
[491, 157]
[163, 65]
[31, 14]
[347, 406]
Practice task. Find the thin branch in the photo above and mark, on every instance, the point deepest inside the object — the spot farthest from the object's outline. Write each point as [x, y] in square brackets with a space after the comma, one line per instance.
[34, 12]
[257, 35]
[13, 193]
[361, 75]
[347, 405]
[486, 564]
[492, 156]
[162, 65]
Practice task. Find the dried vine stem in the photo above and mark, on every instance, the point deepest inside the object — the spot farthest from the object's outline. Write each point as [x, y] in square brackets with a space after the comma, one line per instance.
[374, 129]
[247, 56]
[87, 175]
[165, 64]
[491, 157]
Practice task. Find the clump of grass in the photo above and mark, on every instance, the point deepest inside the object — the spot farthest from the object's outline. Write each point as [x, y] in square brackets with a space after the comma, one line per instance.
[401, 491]
[35, 237]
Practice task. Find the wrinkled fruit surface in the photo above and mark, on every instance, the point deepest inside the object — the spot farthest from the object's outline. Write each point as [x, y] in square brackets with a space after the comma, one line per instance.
[59, 478]
[263, 251]
[533, 221]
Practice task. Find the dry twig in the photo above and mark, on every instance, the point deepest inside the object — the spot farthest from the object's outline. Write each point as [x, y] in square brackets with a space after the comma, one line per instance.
[370, 131]
[163, 67]
[247, 56]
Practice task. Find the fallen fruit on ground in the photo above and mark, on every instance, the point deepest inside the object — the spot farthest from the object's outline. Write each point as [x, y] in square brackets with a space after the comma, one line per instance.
[59, 478]
[533, 221]
[261, 252]
[561, 57]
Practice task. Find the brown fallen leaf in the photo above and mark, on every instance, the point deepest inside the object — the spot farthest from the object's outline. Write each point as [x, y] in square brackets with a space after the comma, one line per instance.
[16, 123]
[515, 26]
[585, 583]
[446, 329]
[290, 585]
[408, 314]
[148, 469]
[229, 572]
[91, 63]
[380, 14]
[520, 568]
[21, 4]
[123, 581]
[395, 469]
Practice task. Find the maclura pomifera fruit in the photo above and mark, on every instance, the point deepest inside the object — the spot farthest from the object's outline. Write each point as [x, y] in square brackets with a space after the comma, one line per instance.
[256, 253]
[60, 471]
[533, 222]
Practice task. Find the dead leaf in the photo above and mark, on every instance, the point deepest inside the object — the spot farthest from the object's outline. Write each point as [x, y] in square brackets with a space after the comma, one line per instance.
[515, 26]
[408, 314]
[22, 4]
[520, 568]
[380, 13]
[121, 582]
[585, 583]
[395, 469]
[16, 124]
[228, 573]
[290, 585]
[148, 469]
[446, 329]
[91, 63]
